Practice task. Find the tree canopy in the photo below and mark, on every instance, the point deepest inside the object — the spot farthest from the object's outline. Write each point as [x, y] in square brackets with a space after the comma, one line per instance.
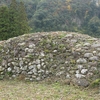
[13, 20]
[61, 15]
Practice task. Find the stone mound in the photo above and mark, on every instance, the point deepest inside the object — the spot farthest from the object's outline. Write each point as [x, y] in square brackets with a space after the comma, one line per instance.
[38, 56]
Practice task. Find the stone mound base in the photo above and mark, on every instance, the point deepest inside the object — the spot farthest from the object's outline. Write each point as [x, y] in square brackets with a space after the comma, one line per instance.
[70, 56]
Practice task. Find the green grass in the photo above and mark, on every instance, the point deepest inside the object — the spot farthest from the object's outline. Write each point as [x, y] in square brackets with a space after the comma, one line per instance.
[15, 90]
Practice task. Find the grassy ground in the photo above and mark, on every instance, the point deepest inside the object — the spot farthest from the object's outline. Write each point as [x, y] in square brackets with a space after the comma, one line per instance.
[15, 90]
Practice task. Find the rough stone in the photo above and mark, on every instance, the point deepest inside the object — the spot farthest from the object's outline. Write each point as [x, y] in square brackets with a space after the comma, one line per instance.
[79, 76]
[88, 55]
[86, 44]
[9, 69]
[84, 71]
[31, 67]
[38, 78]
[31, 46]
[21, 44]
[34, 70]
[79, 67]
[94, 58]
[37, 61]
[77, 71]
[30, 73]
[73, 40]
[67, 75]
[30, 50]
[38, 66]
[69, 36]
[1, 69]
[42, 54]
[81, 61]
[51, 54]
[82, 82]
[59, 73]
[96, 45]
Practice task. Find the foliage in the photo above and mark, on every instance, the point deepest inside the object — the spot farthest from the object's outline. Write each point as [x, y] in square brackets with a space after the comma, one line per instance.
[4, 22]
[94, 25]
[13, 20]
[22, 18]
[66, 15]
[62, 15]
[95, 83]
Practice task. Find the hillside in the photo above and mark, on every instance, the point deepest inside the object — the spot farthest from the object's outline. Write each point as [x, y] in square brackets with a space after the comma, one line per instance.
[63, 15]
[68, 56]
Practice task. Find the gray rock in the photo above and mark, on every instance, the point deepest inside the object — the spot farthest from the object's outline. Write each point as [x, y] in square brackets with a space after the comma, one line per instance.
[4, 62]
[98, 49]
[38, 78]
[69, 36]
[77, 71]
[20, 59]
[24, 68]
[92, 39]
[79, 67]
[13, 63]
[13, 76]
[9, 69]
[68, 75]
[31, 79]
[42, 63]
[41, 71]
[30, 73]
[33, 76]
[42, 54]
[21, 63]
[71, 71]
[94, 58]
[88, 55]
[42, 60]
[79, 76]
[1, 68]
[34, 70]
[93, 69]
[30, 50]
[94, 52]
[31, 46]
[66, 62]
[84, 71]
[31, 67]
[23, 72]
[96, 45]
[78, 45]
[39, 66]
[44, 67]
[17, 69]
[54, 51]
[73, 40]
[86, 44]
[21, 44]
[94, 63]
[13, 71]
[26, 49]
[82, 82]
[81, 61]
[37, 61]
[47, 72]
[89, 74]
[99, 54]
[59, 73]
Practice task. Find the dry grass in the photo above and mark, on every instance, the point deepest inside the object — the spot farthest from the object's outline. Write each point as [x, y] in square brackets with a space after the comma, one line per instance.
[15, 90]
